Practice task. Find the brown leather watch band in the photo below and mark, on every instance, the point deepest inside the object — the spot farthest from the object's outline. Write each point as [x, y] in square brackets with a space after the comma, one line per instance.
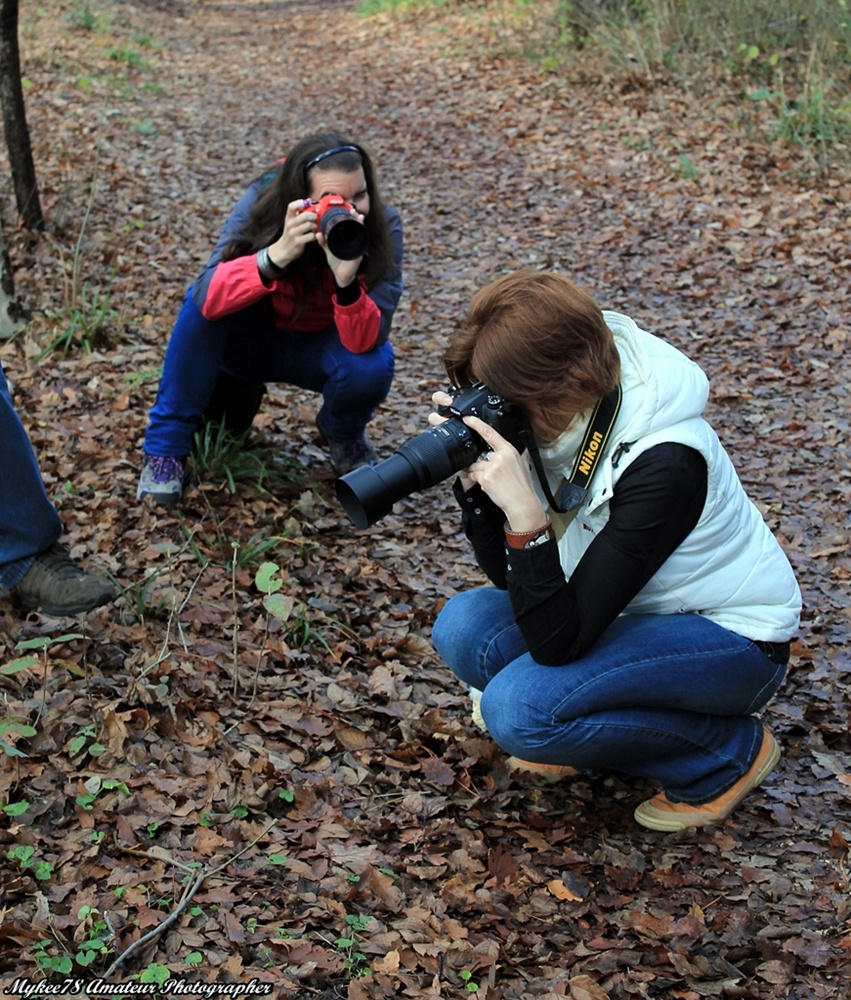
[528, 539]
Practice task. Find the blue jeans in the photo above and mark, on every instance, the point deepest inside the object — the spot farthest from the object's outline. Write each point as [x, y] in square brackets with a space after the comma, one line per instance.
[28, 520]
[666, 697]
[247, 346]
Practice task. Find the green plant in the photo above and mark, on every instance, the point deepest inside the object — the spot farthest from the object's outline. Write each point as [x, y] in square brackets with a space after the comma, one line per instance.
[250, 552]
[128, 56]
[16, 808]
[42, 643]
[141, 599]
[469, 983]
[688, 170]
[87, 319]
[155, 973]
[24, 854]
[94, 786]
[85, 18]
[348, 945]
[86, 738]
[96, 943]
[22, 663]
[367, 8]
[15, 727]
[269, 584]
[51, 963]
[225, 457]
[144, 376]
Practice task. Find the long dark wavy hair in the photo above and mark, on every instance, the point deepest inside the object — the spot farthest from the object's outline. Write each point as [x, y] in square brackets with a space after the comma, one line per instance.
[289, 181]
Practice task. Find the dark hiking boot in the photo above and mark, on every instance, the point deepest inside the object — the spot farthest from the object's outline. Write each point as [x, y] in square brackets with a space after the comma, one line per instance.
[60, 586]
[348, 455]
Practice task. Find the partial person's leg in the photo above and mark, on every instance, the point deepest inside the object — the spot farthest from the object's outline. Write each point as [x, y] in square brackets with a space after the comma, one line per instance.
[37, 570]
[476, 635]
[191, 375]
[665, 697]
[234, 403]
[191, 368]
[29, 523]
[355, 385]
[352, 385]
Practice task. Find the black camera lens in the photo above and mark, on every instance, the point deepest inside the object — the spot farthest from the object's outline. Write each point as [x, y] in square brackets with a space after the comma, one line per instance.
[346, 237]
[368, 493]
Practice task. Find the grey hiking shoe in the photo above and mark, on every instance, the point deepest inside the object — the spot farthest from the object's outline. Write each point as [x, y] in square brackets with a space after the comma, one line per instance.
[348, 455]
[162, 479]
[60, 586]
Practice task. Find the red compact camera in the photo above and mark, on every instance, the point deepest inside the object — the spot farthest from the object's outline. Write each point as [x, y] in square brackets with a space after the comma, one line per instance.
[346, 237]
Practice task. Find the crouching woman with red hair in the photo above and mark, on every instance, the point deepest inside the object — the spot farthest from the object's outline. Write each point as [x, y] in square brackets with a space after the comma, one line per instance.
[642, 626]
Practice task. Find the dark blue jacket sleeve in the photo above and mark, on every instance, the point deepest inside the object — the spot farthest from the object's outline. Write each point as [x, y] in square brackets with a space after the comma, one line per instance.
[388, 291]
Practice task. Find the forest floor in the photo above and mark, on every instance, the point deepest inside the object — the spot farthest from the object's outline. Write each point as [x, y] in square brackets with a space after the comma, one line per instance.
[305, 803]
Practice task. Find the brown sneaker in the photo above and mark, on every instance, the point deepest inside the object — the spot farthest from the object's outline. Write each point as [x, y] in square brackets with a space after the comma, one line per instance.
[59, 586]
[659, 813]
[550, 773]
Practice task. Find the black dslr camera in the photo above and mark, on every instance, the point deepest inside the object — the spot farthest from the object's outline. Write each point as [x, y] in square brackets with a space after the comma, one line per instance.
[368, 493]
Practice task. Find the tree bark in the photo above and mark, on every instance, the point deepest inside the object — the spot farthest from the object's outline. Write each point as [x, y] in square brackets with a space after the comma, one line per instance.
[15, 121]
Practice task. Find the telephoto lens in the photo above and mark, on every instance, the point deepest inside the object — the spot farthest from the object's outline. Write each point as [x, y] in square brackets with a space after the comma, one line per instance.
[367, 494]
[346, 237]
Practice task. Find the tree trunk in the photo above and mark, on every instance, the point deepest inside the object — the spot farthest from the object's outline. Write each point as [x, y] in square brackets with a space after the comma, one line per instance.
[10, 310]
[15, 121]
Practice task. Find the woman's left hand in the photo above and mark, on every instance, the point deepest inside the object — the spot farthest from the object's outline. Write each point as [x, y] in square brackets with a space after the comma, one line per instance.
[503, 473]
[345, 271]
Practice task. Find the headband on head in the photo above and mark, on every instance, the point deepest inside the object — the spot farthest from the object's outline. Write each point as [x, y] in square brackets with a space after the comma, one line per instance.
[331, 152]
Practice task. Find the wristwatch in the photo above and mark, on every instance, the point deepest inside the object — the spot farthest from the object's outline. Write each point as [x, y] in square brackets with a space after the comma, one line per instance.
[528, 539]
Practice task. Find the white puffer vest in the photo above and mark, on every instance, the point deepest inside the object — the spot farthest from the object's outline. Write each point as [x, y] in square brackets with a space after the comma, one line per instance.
[730, 568]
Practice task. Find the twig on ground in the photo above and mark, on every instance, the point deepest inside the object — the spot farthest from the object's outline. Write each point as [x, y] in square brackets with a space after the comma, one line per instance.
[192, 888]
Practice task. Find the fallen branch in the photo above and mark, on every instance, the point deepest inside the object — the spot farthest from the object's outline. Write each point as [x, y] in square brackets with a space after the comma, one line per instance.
[192, 888]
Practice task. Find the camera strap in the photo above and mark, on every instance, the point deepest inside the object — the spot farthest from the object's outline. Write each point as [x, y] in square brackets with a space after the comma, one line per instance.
[571, 492]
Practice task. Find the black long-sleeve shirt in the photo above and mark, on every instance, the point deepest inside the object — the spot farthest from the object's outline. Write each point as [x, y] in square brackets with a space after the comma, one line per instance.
[654, 506]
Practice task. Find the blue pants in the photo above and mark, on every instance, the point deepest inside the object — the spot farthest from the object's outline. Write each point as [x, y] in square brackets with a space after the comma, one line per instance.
[667, 697]
[28, 520]
[246, 345]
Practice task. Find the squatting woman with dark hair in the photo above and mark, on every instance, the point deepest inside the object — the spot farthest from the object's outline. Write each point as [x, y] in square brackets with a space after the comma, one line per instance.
[638, 626]
[274, 304]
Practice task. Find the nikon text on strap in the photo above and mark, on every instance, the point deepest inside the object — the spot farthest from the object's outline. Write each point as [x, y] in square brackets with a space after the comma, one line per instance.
[571, 493]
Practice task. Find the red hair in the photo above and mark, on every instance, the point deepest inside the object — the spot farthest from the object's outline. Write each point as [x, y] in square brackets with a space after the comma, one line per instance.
[538, 340]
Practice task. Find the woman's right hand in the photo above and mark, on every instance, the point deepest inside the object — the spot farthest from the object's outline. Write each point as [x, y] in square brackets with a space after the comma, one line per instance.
[299, 230]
